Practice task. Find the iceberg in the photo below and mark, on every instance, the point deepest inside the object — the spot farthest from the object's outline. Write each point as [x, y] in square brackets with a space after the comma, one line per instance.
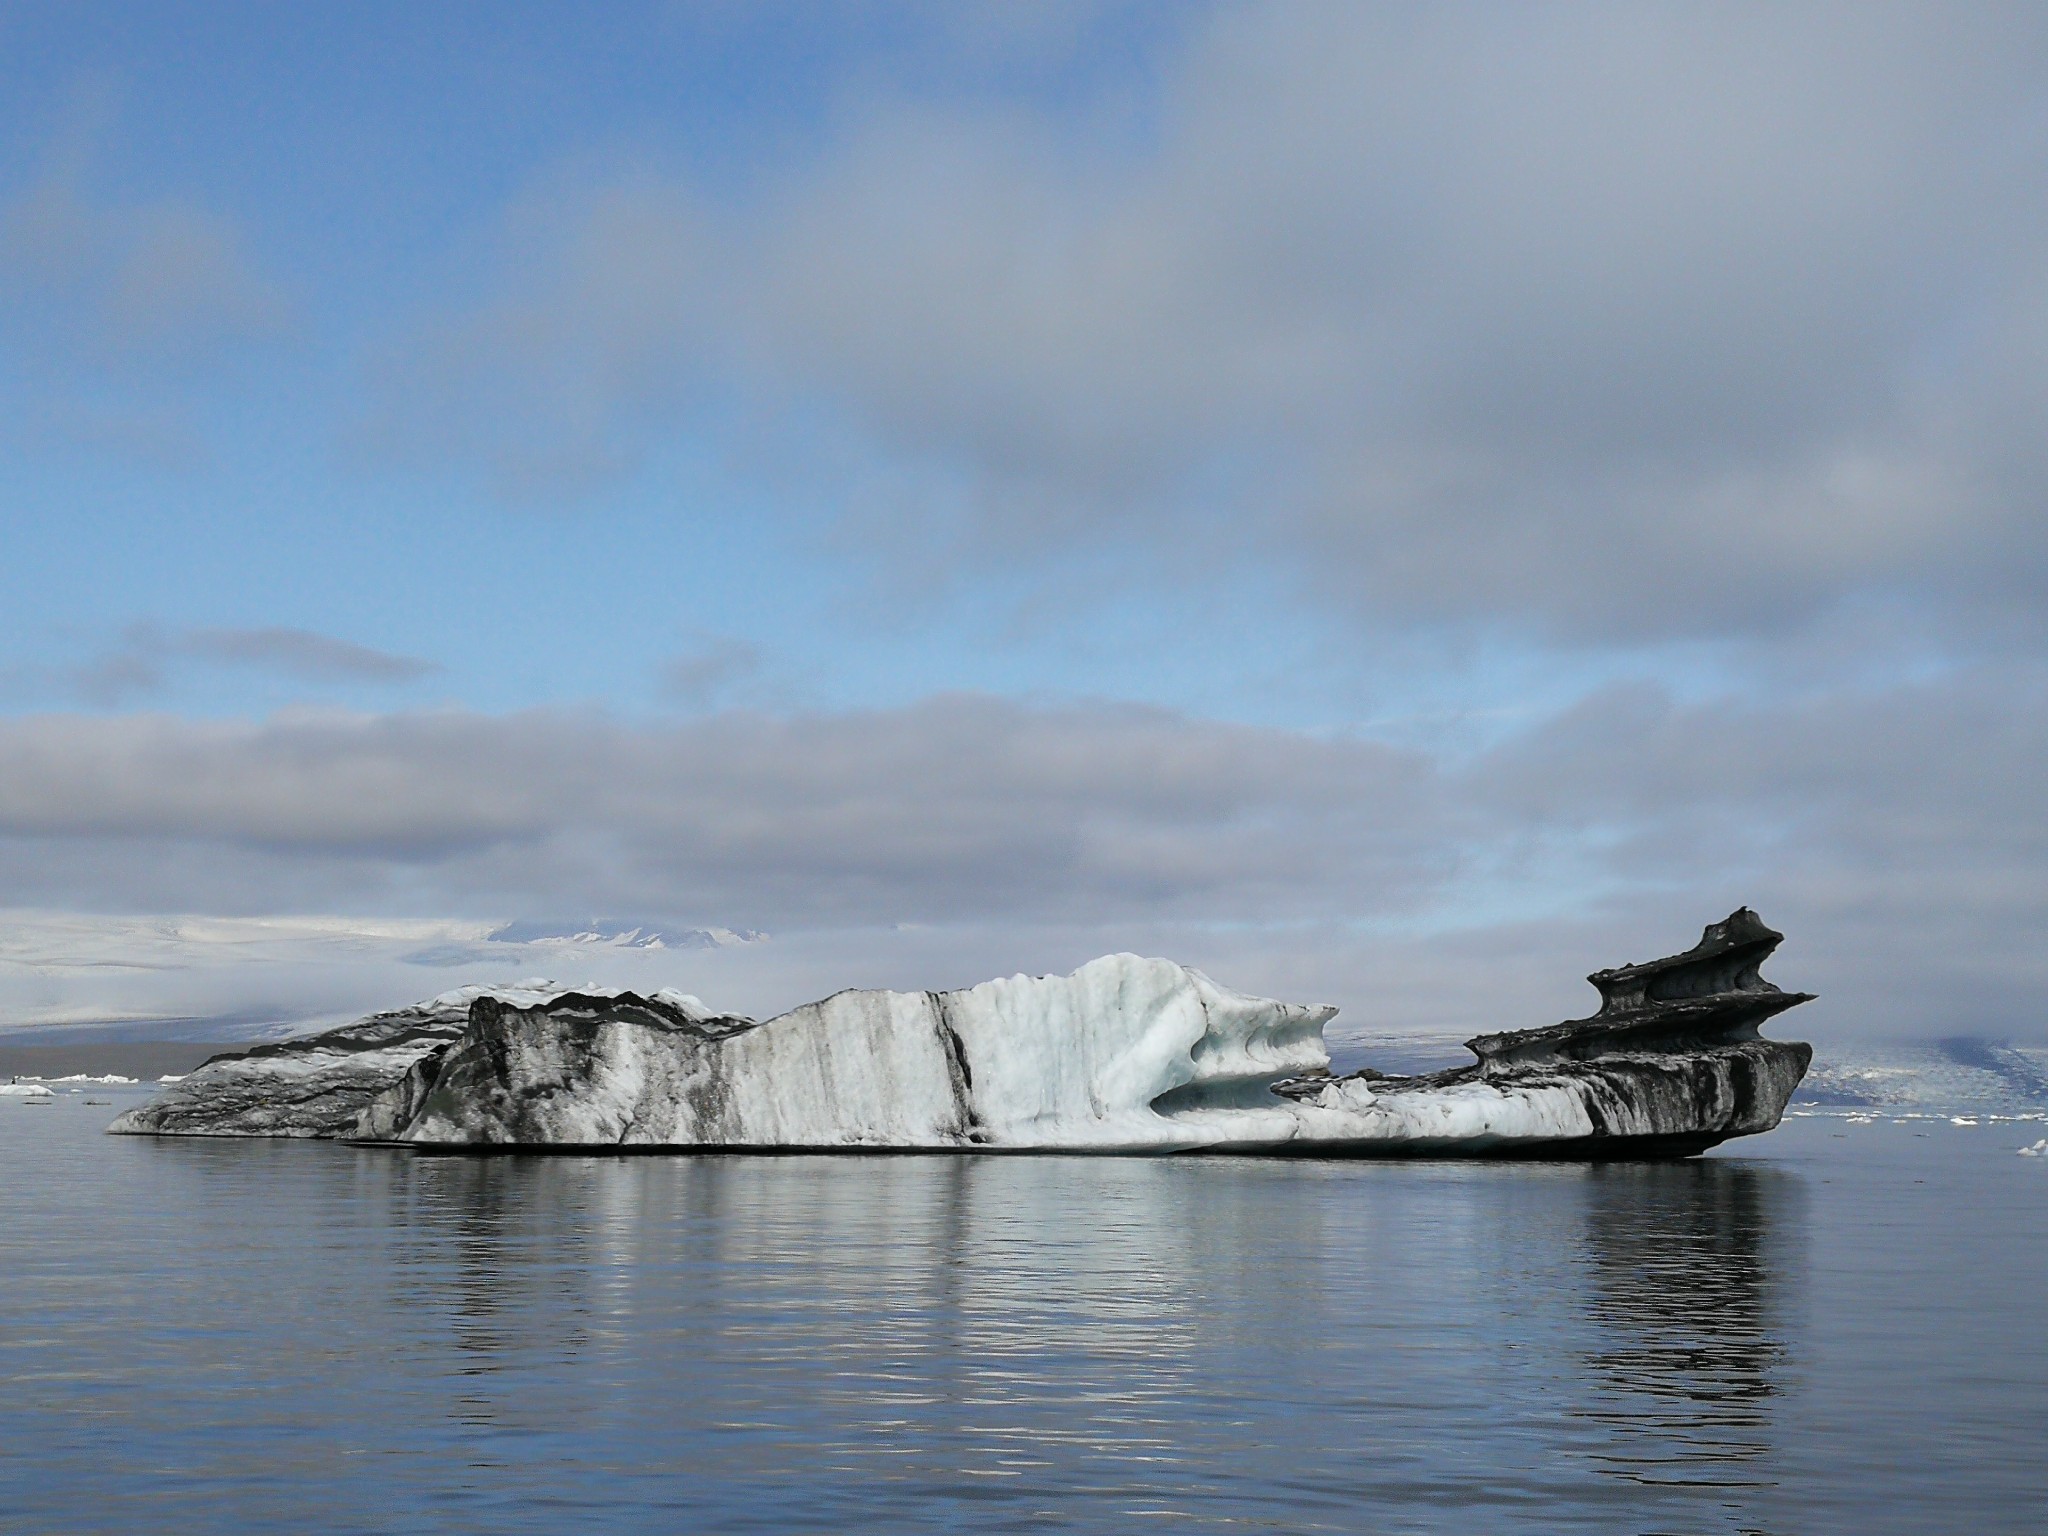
[317, 1085]
[1126, 1054]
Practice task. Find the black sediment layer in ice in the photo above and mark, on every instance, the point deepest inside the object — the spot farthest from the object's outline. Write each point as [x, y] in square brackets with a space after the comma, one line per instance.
[1671, 1064]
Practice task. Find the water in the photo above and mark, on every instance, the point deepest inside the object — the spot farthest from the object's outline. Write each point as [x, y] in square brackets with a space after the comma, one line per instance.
[1840, 1328]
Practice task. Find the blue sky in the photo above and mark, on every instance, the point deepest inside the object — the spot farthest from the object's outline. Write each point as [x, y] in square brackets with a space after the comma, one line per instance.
[1391, 503]
[361, 163]
[362, 166]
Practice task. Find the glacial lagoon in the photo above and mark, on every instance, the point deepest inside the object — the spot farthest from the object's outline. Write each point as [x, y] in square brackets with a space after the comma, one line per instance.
[1835, 1326]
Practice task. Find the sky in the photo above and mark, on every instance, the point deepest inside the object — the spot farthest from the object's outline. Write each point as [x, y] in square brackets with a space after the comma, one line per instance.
[1396, 505]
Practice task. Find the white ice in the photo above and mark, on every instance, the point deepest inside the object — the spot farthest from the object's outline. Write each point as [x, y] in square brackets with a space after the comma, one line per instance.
[1126, 1053]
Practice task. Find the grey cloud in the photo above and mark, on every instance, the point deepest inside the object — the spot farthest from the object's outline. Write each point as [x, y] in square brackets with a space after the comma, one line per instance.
[1896, 834]
[142, 664]
[119, 281]
[1904, 829]
[300, 653]
[1609, 323]
[116, 677]
[707, 672]
[114, 312]
[555, 396]
[958, 806]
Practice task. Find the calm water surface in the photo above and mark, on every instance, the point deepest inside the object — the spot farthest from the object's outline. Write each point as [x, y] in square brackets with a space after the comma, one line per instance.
[1843, 1328]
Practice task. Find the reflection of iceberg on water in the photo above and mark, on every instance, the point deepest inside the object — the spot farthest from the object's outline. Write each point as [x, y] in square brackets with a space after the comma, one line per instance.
[1124, 1055]
[1685, 1267]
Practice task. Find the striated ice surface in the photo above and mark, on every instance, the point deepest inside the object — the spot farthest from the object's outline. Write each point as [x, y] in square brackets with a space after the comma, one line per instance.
[1067, 1061]
[317, 1085]
[1125, 1054]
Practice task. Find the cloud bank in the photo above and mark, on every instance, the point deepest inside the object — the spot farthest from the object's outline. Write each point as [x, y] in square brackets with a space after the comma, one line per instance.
[1904, 825]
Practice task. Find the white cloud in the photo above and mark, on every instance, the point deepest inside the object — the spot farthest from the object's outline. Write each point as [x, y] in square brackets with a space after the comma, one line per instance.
[1604, 323]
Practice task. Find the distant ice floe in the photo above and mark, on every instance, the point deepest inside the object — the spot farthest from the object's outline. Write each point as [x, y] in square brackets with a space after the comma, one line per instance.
[70, 1082]
[1963, 1081]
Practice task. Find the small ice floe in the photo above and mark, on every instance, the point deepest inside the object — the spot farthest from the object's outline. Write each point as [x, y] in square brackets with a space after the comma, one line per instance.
[21, 1089]
[87, 1077]
[1962, 1119]
[2038, 1149]
[172, 1077]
